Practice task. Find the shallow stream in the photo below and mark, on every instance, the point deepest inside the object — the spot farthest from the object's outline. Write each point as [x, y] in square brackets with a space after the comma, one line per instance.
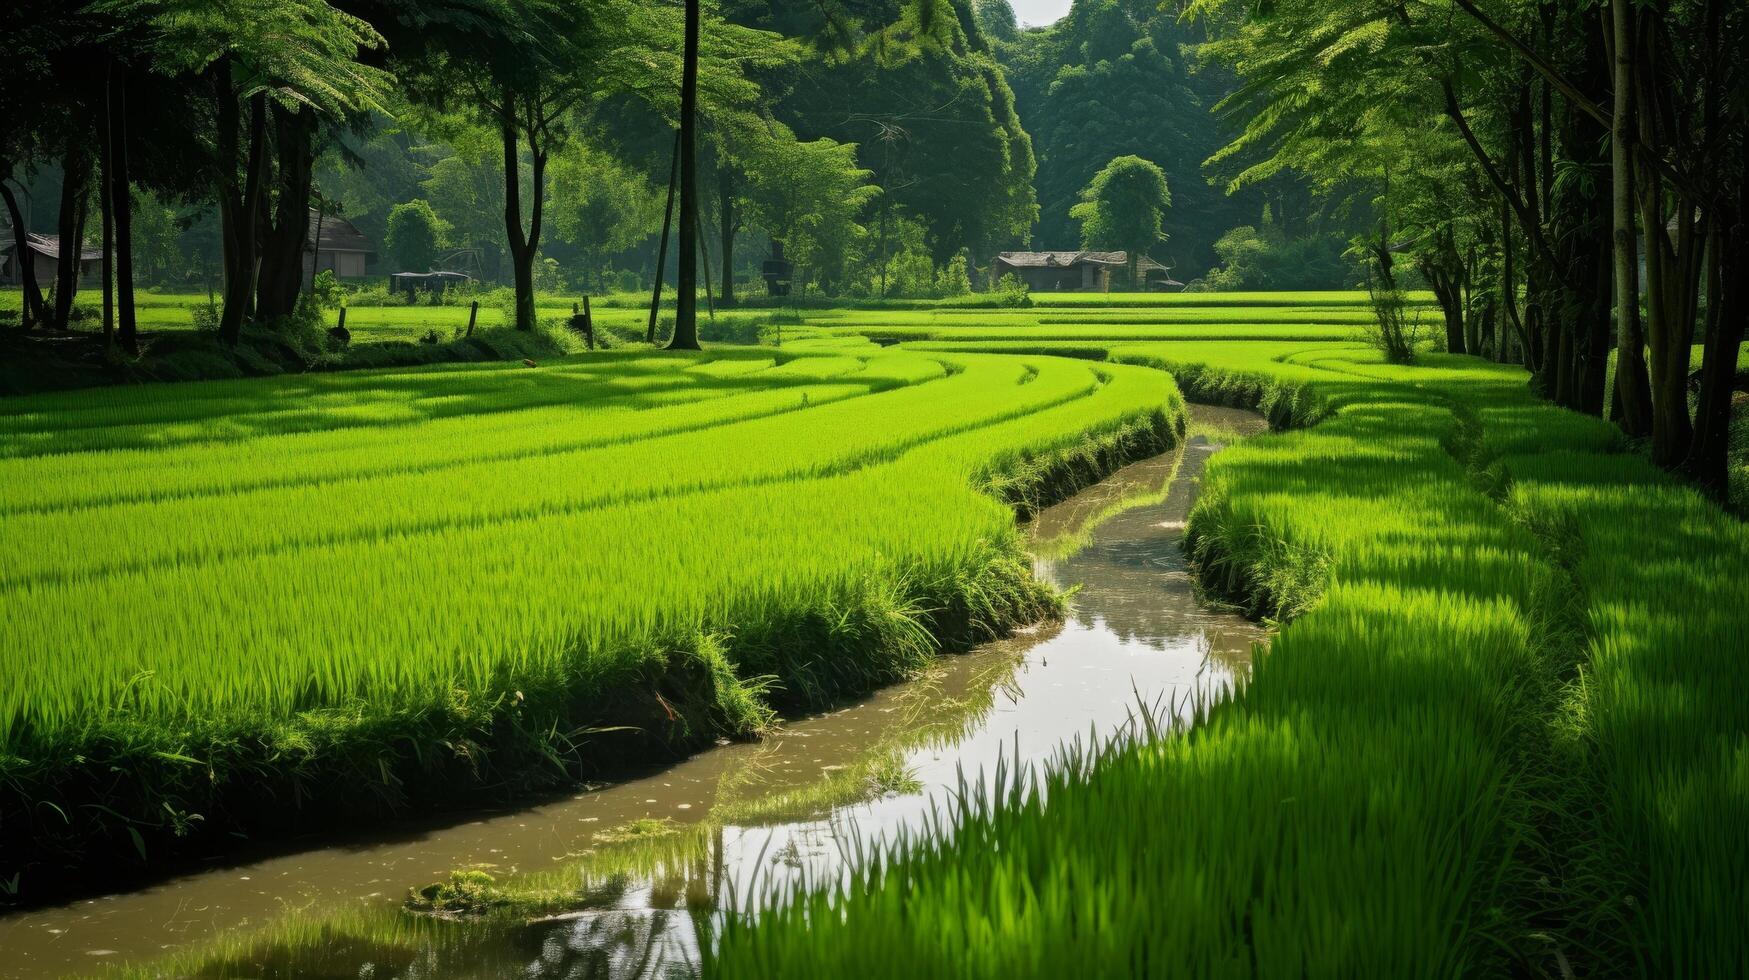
[653, 852]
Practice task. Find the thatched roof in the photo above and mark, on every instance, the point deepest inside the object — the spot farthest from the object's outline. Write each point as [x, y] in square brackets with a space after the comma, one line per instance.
[338, 235]
[1061, 260]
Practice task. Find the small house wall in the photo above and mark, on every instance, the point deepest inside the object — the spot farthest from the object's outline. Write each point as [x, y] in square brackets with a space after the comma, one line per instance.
[1048, 280]
[344, 265]
[43, 269]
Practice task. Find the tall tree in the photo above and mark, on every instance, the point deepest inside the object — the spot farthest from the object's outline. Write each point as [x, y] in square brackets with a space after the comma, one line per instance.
[253, 56]
[686, 288]
[416, 235]
[1122, 207]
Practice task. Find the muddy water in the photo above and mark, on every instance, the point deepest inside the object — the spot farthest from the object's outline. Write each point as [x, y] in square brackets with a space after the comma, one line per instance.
[728, 823]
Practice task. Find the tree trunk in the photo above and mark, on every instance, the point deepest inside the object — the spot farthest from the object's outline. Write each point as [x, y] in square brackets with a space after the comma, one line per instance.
[316, 245]
[32, 310]
[283, 240]
[105, 197]
[1509, 296]
[1591, 360]
[1632, 383]
[1582, 221]
[523, 245]
[1472, 313]
[240, 212]
[726, 232]
[662, 249]
[1668, 331]
[75, 178]
[1728, 267]
[122, 206]
[685, 293]
[1443, 270]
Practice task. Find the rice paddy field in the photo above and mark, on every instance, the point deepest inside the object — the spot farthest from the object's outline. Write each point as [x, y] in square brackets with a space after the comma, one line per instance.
[438, 577]
[1502, 726]
[1502, 729]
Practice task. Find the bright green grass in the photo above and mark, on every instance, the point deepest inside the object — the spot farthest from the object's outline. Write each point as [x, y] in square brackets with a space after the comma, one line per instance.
[1334, 297]
[1102, 333]
[174, 312]
[386, 536]
[1506, 733]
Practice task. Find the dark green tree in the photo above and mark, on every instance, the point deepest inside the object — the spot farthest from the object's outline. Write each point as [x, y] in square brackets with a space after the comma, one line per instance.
[416, 236]
[1122, 207]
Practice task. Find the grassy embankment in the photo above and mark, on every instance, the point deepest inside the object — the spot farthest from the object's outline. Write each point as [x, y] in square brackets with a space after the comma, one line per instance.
[1505, 731]
[257, 605]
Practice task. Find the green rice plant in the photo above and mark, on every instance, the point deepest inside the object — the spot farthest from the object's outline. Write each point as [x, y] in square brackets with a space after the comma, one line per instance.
[437, 577]
[1503, 730]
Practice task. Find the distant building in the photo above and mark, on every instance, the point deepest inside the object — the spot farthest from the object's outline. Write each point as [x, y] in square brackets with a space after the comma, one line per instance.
[1079, 272]
[434, 282]
[1060, 272]
[1156, 278]
[333, 243]
[42, 252]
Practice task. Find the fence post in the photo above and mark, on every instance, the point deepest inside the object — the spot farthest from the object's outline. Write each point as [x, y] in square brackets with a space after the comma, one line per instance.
[473, 311]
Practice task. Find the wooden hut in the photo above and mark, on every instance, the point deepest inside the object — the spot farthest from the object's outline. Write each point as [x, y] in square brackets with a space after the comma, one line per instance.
[1060, 272]
[335, 244]
[43, 252]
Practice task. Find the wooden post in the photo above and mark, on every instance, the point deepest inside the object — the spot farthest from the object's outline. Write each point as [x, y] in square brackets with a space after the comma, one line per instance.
[473, 313]
[342, 323]
[588, 325]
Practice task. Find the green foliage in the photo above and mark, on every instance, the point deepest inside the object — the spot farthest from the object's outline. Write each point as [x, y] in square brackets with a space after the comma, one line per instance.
[326, 292]
[1122, 207]
[416, 237]
[910, 270]
[298, 52]
[601, 205]
[809, 196]
[1117, 77]
[1267, 259]
[996, 20]
[1395, 329]
[942, 139]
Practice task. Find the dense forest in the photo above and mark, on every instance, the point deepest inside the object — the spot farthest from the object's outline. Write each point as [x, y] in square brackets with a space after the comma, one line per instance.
[1546, 173]
[967, 136]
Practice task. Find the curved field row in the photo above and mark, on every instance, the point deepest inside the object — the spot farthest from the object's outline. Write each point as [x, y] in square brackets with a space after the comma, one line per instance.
[1081, 332]
[1504, 731]
[321, 582]
[833, 438]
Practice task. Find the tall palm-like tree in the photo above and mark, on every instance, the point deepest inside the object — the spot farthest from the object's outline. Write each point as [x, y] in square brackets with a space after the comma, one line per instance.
[686, 286]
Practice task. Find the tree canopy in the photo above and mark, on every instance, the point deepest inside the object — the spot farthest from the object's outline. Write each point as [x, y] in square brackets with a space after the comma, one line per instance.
[1122, 207]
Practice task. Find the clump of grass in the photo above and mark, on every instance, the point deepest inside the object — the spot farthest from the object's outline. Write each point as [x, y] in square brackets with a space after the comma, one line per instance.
[1395, 325]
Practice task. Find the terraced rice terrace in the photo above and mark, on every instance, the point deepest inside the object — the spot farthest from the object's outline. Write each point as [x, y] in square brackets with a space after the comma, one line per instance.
[1497, 704]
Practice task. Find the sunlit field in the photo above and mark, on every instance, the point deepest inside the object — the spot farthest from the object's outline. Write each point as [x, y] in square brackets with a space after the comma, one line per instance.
[1499, 702]
[363, 569]
[1494, 725]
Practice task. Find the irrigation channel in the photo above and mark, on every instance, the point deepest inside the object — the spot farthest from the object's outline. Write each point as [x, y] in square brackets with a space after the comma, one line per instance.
[728, 823]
